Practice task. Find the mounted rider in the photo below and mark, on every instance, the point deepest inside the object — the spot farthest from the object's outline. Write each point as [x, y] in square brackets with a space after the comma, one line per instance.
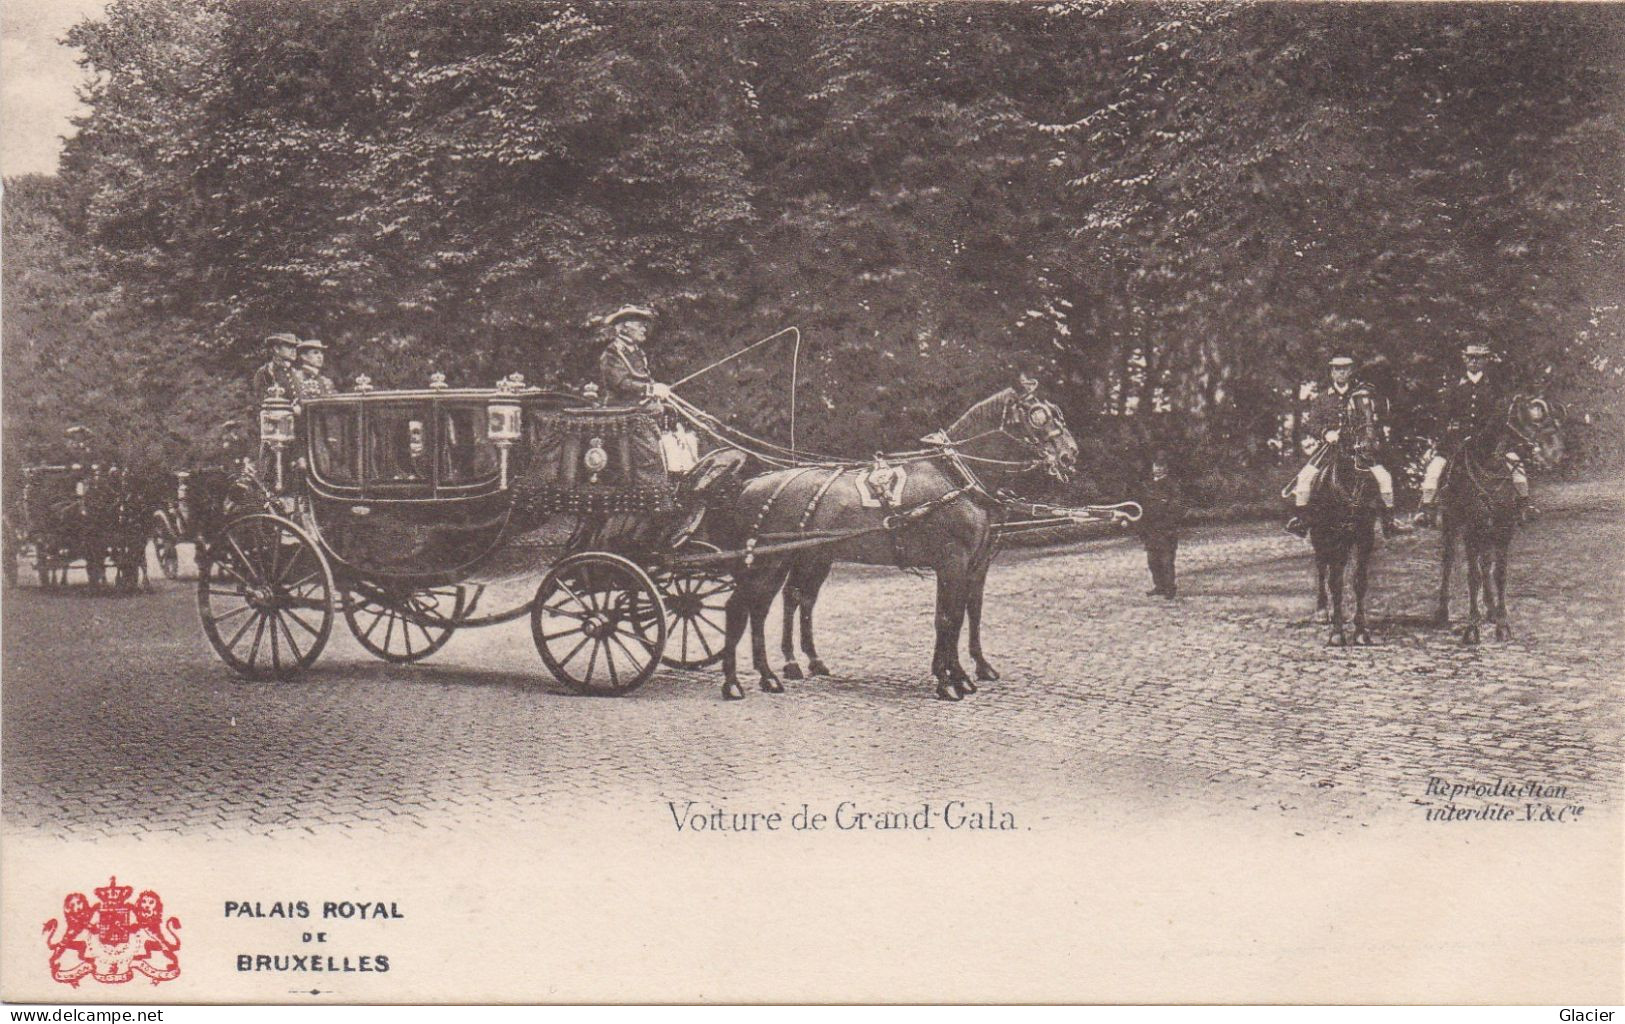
[1472, 407]
[1327, 418]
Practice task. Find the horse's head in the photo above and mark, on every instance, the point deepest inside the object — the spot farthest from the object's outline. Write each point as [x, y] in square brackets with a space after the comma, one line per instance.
[1364, 414]
[1536, 424]
[1038, 426]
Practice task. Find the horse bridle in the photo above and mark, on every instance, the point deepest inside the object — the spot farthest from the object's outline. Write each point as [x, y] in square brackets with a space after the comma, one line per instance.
[1037, 421]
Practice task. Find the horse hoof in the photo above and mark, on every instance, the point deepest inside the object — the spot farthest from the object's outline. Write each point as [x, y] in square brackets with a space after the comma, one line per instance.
[770, 684]
[986, 673]
[817, 668]
[1336, 640]
[1439, 620]
[1324, 618]
[1363, 637]
[965, 687]
[792, 670]
[947, 691]
[731, 690]
[1503, 632]
[1469, 636]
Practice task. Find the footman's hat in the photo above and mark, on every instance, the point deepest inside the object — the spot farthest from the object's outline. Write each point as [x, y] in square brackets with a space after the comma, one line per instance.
[279, 340]
[78, 430]
[305, 343]
[1475, 349]
[1341, 359]
[630, 313]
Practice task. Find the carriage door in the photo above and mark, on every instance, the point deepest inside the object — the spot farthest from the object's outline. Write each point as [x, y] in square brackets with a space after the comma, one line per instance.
[398, 449]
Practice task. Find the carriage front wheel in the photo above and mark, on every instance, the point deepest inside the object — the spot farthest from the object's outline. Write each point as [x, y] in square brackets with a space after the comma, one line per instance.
[696, 610]
[265, 595]
[599, 623]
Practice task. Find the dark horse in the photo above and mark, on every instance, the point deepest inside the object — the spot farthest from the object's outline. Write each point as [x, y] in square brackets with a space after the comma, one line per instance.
[1343, 513]
[1478, 501]
[943, 519]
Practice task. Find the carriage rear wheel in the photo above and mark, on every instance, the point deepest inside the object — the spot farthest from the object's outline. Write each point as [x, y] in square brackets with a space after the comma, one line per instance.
[166, 546]
[696, 610]
[265, 595]
[401, 625]
[599, 623]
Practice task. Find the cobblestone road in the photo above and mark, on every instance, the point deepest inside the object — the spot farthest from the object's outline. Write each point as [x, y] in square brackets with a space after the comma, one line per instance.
[118, 720]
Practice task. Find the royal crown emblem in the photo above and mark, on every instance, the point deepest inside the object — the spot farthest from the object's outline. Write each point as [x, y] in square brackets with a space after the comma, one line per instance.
[114, 939]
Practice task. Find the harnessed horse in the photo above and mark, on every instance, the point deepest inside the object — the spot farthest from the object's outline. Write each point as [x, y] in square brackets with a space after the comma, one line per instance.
[944, 519]
[1343, 513]
[1478, 501]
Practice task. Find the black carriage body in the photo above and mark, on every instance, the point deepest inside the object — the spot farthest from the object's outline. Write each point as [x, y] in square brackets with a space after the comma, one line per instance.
[75, 513]
[406, 488]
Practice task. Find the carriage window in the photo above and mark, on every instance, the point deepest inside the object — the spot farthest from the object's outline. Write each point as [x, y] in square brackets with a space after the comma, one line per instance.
[332, 444]
[398, 445]
[466, 454]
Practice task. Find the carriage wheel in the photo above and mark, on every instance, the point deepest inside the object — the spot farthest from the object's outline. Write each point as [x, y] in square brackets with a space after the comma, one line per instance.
[599, 623]
[696, 611]
[404, 626]
[166, 546]
[265, 597]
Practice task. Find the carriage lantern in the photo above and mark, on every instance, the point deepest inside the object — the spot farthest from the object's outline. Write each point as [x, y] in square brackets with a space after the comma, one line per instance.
[276, 425]
[502, 422]
[437, 381]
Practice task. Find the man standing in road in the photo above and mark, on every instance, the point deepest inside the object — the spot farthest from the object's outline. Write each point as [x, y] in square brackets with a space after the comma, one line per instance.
[1162, 508]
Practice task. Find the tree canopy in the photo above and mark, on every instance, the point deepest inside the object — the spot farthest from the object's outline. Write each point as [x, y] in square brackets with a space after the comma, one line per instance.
[1170, 212]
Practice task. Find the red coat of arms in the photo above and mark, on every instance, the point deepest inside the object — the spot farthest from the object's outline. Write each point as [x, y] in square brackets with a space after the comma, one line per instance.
[115, 939]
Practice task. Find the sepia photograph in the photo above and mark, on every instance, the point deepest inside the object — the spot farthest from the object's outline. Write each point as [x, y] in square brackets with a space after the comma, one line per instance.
[1095, 501]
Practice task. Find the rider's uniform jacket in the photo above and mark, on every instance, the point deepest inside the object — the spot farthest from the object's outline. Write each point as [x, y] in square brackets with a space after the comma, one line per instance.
[625, 372]
[315, 385]
[1328, 409]
[1470, 409]
[276, 372]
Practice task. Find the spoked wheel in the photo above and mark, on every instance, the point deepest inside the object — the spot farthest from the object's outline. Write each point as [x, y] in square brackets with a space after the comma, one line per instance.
[696, 611]
[166, 546]
[265, 595]
[599, 623]
[404, 625]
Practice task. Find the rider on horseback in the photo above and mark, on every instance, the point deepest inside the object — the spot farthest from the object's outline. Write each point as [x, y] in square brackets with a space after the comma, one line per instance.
[1472, 409]
[1327, 418]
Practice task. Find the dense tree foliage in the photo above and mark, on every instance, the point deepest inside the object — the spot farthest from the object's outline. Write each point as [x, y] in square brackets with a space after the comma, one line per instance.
[1169, 211]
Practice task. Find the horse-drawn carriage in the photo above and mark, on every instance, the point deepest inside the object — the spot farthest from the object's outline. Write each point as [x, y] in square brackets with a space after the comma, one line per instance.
[76, 515]
[401, 511]
[196, 503]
